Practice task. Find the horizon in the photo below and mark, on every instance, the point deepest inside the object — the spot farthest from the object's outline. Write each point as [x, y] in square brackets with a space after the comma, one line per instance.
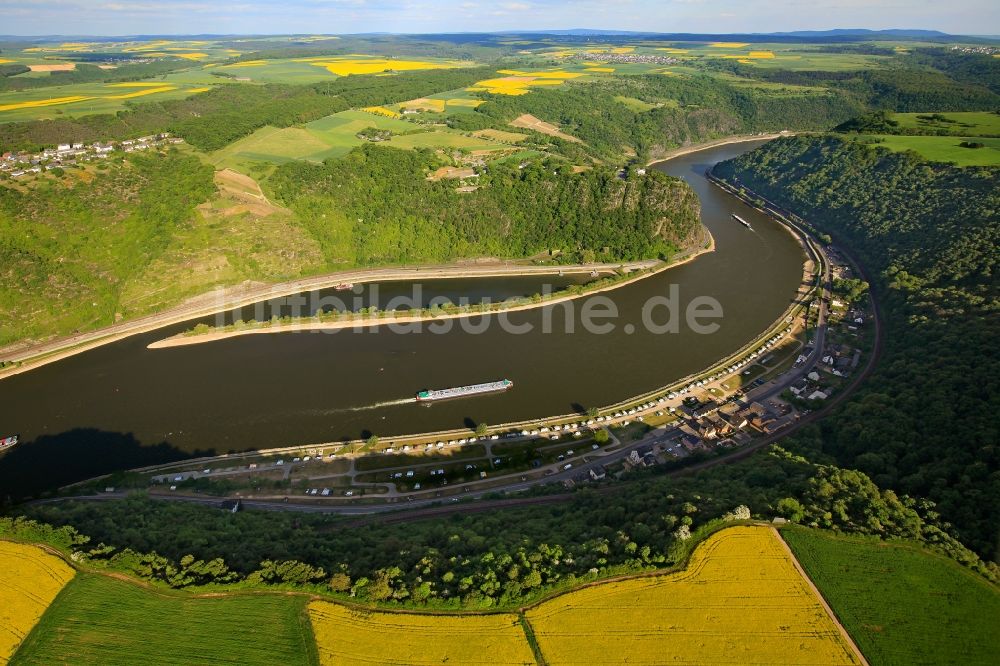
[53, 18]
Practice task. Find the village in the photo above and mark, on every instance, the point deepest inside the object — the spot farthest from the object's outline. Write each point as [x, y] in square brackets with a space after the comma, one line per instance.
[71, 154]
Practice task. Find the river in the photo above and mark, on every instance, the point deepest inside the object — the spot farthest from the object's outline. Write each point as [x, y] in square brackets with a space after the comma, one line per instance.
[122, 405]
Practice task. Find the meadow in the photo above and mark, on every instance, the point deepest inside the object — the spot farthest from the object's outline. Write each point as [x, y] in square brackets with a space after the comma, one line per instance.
[30, 579]
[968, 123]
[943, 148]
[902, 604]
[349, 636]
[740, 600]
[105, 621]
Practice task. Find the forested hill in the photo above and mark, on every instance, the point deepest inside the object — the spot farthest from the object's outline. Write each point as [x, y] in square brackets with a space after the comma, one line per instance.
[929, 233]
[376, 205]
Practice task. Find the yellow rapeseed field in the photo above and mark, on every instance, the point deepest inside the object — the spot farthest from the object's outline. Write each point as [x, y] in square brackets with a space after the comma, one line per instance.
[144, 91]
[517, 82]
[601, 69]
[346, 67]
[762, 54]
[347, 636]
[465, 102]
[381, 111]
[30, 579]
[43, 102]
[246, 63]
[740, 601]
[137, 84]
[728, 45]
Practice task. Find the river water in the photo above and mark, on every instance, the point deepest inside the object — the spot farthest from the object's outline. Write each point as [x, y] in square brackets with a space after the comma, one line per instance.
[121, 405]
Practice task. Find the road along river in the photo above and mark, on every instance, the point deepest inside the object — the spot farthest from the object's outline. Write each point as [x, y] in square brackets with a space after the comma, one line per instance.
[123, 405]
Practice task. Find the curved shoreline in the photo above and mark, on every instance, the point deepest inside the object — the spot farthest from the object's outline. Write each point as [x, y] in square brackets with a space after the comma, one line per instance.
[221, 299]
[28, 356]
[696, 147]
[391, 318]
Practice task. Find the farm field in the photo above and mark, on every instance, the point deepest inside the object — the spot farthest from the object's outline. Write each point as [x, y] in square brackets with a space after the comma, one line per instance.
[902, 604]
[740, 600]
[30, 579]
[944, 148]
[348, 636]
[335, 136]
[103, 621]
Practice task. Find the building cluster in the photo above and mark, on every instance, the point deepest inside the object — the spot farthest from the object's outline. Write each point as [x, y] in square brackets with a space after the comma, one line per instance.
[629, 58]
[19, 164]
[982, 50]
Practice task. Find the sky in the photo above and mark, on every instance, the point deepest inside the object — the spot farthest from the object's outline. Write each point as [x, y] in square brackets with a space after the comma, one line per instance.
[129, 17]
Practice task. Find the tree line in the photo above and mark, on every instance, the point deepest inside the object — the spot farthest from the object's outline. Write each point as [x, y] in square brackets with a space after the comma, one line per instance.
[485, 559]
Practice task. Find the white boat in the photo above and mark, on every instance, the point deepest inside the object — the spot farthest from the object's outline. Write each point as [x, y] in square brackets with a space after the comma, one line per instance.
[464, 391]
[742, 221]
[8, 442]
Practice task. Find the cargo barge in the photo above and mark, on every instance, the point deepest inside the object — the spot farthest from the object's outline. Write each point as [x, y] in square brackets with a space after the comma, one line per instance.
[742, 221]
[8, 442]
[464, 391]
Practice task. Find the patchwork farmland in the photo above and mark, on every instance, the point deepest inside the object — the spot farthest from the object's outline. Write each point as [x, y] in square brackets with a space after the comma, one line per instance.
[336, 135]
[741, 599]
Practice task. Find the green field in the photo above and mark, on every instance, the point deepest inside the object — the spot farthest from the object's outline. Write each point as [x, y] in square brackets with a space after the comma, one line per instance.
[944, 148]
[971, 123]
[104, 621]
[901, 604]
[335, 136]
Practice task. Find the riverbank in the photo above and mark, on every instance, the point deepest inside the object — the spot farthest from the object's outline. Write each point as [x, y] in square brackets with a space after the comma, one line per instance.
[29, 357]
[696, 147]
[389, 318]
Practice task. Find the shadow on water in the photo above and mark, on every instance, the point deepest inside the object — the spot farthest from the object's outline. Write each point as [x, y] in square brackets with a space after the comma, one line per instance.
[51, 461]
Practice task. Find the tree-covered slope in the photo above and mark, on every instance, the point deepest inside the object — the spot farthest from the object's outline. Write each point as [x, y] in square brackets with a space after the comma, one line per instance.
[376, 205]
[68, 247]
[925, 423]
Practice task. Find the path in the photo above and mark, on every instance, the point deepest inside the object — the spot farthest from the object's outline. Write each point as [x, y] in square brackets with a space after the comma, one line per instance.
[822, 600]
